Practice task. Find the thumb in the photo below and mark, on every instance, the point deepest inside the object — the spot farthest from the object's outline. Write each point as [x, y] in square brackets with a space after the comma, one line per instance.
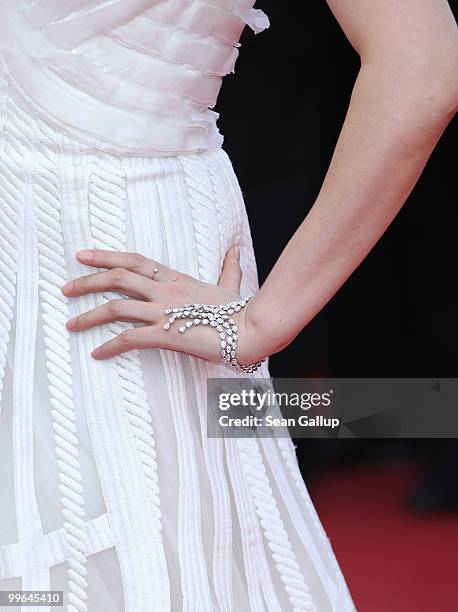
[231, 274]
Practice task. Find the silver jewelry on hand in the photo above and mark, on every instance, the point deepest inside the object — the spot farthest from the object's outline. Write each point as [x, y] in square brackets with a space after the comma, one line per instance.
[219, 317]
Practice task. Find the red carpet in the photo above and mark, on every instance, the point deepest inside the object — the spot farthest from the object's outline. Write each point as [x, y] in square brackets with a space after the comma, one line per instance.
[393, 560]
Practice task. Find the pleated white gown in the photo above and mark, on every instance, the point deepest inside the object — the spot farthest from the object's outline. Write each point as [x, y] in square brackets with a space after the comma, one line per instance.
[110, 489]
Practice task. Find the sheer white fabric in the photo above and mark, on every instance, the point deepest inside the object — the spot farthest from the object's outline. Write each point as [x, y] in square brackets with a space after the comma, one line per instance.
[131, 76]
[110, 489]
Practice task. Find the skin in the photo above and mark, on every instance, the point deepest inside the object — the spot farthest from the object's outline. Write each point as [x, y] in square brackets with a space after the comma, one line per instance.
[404, 96]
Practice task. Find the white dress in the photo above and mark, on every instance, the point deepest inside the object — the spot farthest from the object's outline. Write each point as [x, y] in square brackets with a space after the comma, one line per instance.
[110, 489]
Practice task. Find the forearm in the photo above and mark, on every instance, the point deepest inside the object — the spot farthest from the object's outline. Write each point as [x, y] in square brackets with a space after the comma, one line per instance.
[389, 132]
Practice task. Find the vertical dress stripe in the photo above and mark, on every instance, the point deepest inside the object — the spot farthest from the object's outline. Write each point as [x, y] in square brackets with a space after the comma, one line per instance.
[209, 246]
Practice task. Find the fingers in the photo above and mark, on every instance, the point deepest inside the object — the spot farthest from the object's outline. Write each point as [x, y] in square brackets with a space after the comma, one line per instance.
[136, 276]
[231, 274]
[200, 342]
[130, 261]
[140, 337]
[115, 310]
[118, 279]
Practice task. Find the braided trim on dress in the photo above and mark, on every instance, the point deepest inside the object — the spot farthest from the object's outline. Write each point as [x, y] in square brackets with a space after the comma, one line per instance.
[12, 200]
[204, 215]
[107, 201]
[55, 313]
[287, 450]
[274, 531]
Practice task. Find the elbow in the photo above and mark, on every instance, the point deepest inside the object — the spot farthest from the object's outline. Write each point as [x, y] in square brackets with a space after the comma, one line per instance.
[431, 101]
[436, 102]
[436, 82]
[440, 84]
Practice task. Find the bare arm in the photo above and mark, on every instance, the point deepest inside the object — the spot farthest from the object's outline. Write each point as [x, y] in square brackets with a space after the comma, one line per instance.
[405, 95]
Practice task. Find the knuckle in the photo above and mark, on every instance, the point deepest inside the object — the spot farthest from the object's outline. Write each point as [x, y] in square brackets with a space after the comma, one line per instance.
[134, 260]
[181, 283]
[174, 291]
[175, 277]
[114, 307]
[118, 274]
[127, 338]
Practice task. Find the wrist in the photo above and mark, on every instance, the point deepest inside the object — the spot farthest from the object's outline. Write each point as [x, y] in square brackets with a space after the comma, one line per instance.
[261, 331]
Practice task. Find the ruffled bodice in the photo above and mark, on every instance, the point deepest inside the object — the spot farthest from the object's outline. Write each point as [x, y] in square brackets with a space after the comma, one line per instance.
[128, 76]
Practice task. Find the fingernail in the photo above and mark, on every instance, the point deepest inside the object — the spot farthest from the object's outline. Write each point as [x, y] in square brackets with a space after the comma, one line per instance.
[71, 323]
[95, 353]
[86, 254]
[67, 287]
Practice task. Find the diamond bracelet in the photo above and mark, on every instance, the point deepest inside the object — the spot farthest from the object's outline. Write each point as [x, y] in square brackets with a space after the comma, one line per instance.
[219, 317]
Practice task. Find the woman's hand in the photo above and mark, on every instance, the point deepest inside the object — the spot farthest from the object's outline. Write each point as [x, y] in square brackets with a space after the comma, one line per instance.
[155, 288]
